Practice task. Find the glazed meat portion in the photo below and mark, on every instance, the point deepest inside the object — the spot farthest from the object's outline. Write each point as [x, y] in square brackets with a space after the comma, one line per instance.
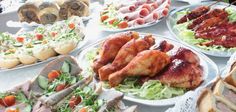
[146, 63]
[186, 55]
[197, 12]
[227, 42]
[182, 74]
[183, 71]
[210, 14]
[111, 47]
[164, 46]
[125, 55]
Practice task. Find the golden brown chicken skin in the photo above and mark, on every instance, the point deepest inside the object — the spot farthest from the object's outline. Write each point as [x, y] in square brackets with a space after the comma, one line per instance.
[125, 55]
[146, 63]
[111, 47]
[182, 74]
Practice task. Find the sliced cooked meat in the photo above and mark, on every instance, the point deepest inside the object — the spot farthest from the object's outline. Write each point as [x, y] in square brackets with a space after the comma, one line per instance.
[194, 14]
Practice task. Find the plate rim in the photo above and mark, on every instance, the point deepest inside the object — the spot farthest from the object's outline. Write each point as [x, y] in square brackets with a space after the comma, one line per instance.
[162, 102]
[210, 53]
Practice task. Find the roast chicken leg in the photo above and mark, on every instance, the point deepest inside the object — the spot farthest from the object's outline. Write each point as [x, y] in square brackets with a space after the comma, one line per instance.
[111, 47]
[146, 63]
[182, 74]
[125, 55]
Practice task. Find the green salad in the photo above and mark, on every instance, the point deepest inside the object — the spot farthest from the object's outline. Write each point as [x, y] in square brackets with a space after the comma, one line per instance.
[150, 90]
[188, 35]
[87, 101]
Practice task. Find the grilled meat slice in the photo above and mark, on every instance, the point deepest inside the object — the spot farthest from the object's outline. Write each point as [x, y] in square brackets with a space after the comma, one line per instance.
[226, 41]
[208, 23]
[197, 12]
[224, 29]
[210, 14]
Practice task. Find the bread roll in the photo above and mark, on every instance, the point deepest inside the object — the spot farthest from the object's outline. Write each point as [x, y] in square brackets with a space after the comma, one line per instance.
[65, 47]
[43, 52]
[29, 12]
[26, 57]
[48, 12]
[73, 8]
[9, 61]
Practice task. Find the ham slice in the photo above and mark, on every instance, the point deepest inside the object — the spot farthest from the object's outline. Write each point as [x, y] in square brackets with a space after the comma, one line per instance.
[137, 14]
[127, 9]
[151, 17]
[136, 22]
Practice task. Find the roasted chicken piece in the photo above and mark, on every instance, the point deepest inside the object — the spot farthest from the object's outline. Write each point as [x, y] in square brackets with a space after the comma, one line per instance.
[146, 63]
[183, 71]
[181, 74]
[111, 47]
[125, 55]
[164, 46]
[186, 55]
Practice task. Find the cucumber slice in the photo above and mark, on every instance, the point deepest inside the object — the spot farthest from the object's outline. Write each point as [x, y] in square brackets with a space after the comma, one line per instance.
[66, 68]
[43, 82]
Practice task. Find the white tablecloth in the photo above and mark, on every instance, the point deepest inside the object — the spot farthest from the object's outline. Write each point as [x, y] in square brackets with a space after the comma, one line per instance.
[12, 78]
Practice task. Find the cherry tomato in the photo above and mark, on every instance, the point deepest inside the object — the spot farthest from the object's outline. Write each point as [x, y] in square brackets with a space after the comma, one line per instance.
[8, 100]
[83, 109]
[20, 39]
[13, 110]
[53, 75]
[39, 36]
[74, 100]
[53, 34]
[123, 24]
[71, 25]
[111, 21]
[61, 87]
[104, 17]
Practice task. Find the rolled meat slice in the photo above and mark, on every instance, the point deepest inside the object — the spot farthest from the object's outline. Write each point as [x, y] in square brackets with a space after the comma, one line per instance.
[73, 8]
[165, 12]
[49, 13]
[151, 17]
[136, 22]
[137, 14]
[28, 13]
[127, 9]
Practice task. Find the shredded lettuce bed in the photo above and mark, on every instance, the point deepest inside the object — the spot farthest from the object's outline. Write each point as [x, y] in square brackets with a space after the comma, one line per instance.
[188, 35]
[150, 90]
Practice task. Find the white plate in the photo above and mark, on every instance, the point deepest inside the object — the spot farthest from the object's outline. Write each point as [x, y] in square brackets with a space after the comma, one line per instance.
[105, 28]
[33, 25]
[80, 45]
[209, 67]
[171, 21]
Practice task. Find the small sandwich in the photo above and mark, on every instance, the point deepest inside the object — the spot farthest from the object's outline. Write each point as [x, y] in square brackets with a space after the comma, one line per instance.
[222, 99]
[226, 93]
[231, 77]
[9, 61]
[25, 56]
[43, 52]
